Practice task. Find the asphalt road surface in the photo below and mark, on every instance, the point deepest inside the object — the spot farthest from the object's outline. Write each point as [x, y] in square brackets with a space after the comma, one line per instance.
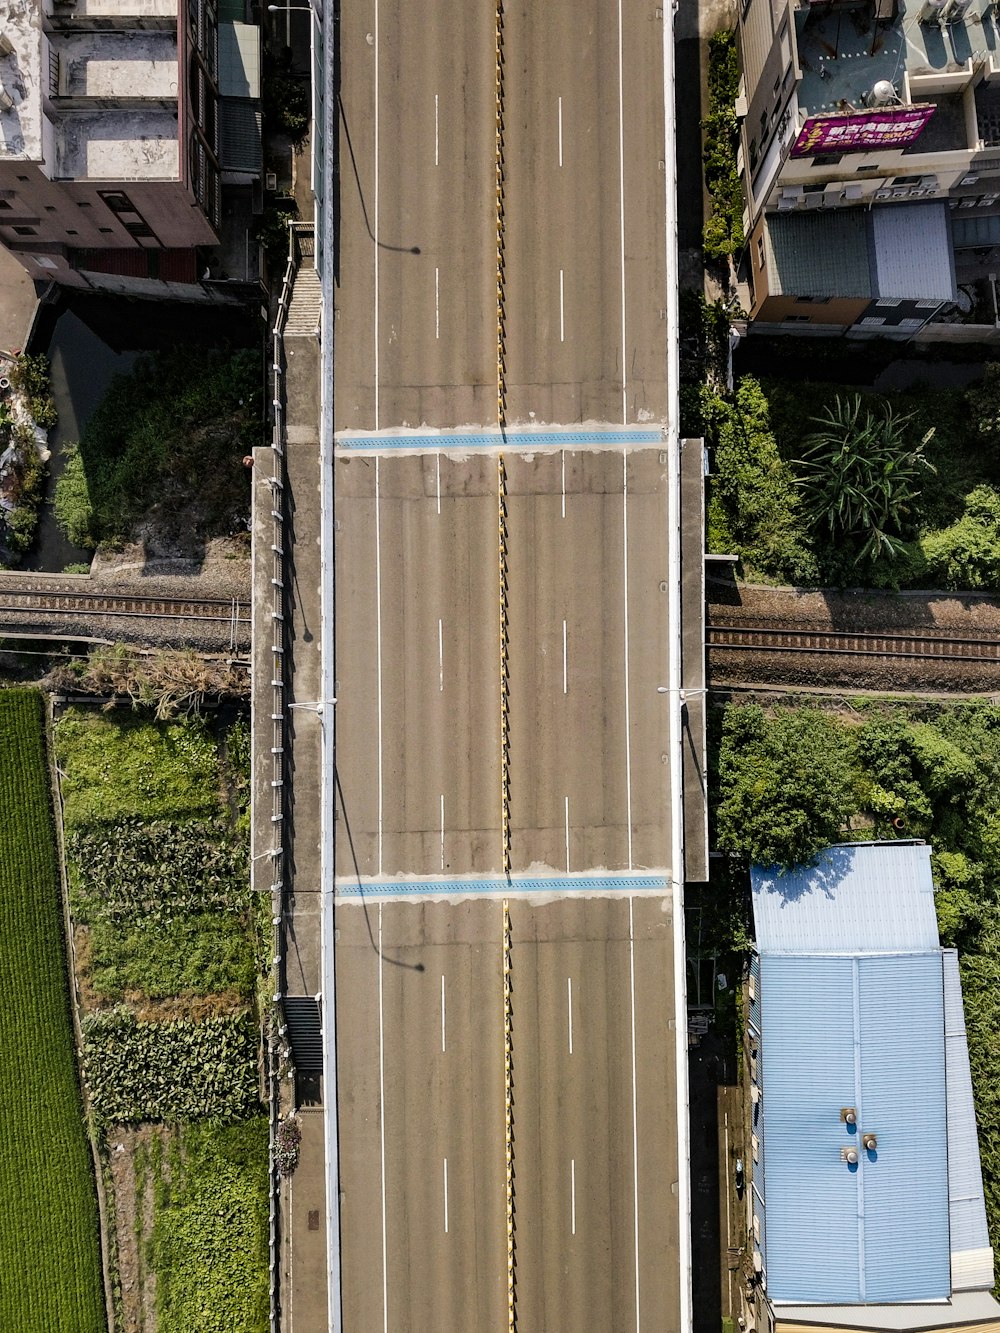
[446, 564]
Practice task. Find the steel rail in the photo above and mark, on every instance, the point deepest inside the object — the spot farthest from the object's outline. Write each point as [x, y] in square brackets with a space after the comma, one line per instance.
[837, 643]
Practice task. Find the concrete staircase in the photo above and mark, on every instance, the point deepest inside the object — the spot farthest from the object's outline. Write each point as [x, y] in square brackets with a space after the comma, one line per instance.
[305, 305]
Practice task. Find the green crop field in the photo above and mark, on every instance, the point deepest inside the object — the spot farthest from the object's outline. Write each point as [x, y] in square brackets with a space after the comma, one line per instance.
[49, 1249]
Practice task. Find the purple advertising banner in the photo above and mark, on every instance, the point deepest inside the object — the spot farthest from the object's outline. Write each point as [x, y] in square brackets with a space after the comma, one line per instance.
[884, 127]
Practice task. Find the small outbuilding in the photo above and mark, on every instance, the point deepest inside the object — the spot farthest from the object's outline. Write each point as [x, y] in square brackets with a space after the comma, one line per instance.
[866, 1195]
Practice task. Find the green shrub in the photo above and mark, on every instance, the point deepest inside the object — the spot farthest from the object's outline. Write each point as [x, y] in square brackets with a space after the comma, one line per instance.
[786, 784]
[723, 233]
[49, 1230]
[178, 1070]
[155, 870]
[71, 503]
[30, 375]
[759, 503]
[966, 554]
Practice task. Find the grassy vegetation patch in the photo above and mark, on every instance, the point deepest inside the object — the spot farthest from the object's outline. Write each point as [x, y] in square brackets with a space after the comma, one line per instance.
[49, 1229]
[723, 232]
[168, 440]
[209, 1241]
[119, 765]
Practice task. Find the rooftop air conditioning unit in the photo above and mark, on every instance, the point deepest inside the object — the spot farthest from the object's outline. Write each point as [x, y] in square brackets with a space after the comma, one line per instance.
[791, 191]
[883, 194]
[785, 205]
[852, 192]
[929, 182]
[971, 179]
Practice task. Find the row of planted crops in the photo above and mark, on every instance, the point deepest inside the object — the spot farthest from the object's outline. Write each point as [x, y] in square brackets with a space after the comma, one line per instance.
[166, 955]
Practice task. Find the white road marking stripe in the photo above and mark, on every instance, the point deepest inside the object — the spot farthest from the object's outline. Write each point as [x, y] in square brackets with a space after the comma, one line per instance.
[436, 119]
[381, 1125]
[438, 460]
[635, 1116]
[442, 1014]
[442, 830]
[375, 214]
[562, 308]
[446, 1196]
[569, 1006]
[378, 646]
[565, 666]
[563, 458]
[621, 194]
[560, 132]
[567, 872]
[572, 1196]
[628, 715]
[440, 660]
[437, 303]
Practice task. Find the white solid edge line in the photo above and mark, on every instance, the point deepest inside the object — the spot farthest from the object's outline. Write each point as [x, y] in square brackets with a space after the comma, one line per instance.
[562, 307]
[443, 1047]
[436, 123]
[375, 215]
[628, 711]
[572, 1196]
[565, 661]
[440, 655]
[560, 133]
[442, 831]
[446, 1196]
[437, 303]
[378, 648]
[328, 785]
[381, 1127]
[635, 1111]
[621, 198]
[569, 1007]
[676, 735]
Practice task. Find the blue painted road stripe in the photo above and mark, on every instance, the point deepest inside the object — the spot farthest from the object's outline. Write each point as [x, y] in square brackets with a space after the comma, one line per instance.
[499, 885]
[514, 439]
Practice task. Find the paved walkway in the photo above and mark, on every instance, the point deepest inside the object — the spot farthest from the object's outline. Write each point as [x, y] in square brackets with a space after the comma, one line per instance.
[17, 302]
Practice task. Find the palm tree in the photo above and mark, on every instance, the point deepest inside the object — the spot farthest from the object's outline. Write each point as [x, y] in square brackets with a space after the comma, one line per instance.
[859, 476]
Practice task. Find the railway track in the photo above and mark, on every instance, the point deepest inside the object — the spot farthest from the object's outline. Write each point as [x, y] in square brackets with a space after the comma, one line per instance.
[926, 647]
[213, 610]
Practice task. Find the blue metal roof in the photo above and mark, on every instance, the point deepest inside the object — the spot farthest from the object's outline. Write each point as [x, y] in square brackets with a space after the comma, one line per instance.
[865, 1032]
[972, 1258]
[858, 898]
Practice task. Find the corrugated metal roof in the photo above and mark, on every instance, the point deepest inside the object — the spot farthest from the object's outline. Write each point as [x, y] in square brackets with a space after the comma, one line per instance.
[241, 146]
[866, 1032]
[819, 254]
[913, 258]
[972, 1257]
[861, 898]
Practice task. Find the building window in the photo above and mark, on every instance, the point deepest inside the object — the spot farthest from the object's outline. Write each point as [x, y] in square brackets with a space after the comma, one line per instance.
[105, 231]
[796, 319]
[813, 300]
[888, 302]
[43, 261]
[138, 229]
[871, 322]
[830, 160]
[25, 231]
[71, 232]
[760, 252]
[118, 201]
[4, 204]
[814, 187]
[50, 208]
[869, 171]
[906, 180]
[24, 178]
[83, 203]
